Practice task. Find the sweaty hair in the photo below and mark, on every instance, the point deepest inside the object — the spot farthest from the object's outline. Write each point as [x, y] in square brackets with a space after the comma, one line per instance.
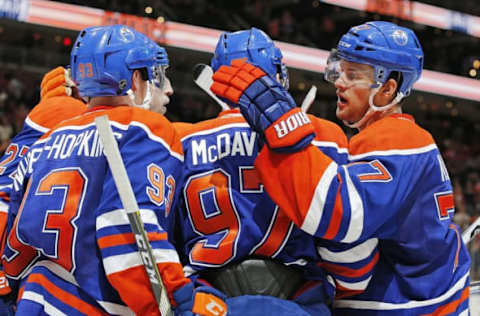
[397, 76]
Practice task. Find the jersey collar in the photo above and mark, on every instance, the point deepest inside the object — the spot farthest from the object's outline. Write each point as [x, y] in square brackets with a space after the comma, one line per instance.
[229, 113]
[403, 116]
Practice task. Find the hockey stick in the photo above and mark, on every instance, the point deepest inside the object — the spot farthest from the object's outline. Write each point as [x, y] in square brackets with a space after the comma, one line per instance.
[202, 75]
[471, 231]
[309, 98]
[130, 205]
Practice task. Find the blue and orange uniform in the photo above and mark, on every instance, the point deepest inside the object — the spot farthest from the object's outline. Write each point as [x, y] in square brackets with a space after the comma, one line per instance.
[225, 215]
[71, 225]
[46, 114]
[395, 191]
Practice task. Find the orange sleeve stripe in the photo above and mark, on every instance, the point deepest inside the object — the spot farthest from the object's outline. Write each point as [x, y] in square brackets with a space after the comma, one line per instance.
[349, 272]
[20, 293]
[459, 242]
[342, 292]
[64, 296]
[132, 282]
[337, 214]
[4, 196]
[451, 307]
[277, 236]
[173, 277]
[126, 238]
[3, 230]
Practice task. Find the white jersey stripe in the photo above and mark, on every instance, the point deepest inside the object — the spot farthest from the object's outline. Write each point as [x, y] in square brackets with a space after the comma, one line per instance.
[123, 262]
[3, 207]
[58, 270]
[39, 299]
[119, 217]
[116, 309]
[36, 126]
[464, 313]
[355, 227]
[6, 186]
[329, 144]
[357, 253]
[392, 152]
[111, 308]
[354, 286]
[375, 305]
[315, 211]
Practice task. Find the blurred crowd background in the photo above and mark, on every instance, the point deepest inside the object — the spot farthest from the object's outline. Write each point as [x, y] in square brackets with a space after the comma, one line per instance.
[29, 51]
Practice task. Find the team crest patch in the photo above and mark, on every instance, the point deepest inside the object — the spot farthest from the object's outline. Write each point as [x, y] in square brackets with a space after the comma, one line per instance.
[126, 34]
[400, 37]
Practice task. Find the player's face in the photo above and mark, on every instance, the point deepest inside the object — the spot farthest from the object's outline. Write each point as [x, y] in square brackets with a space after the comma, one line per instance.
[353, 90]
[161, 97]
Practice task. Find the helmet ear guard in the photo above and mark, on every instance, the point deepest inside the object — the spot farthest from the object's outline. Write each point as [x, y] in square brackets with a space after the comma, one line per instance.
[254, 45]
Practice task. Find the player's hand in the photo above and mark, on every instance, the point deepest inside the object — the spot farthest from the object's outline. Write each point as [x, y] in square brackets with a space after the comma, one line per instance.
[56, 82]
[265, 104]
[203, 300]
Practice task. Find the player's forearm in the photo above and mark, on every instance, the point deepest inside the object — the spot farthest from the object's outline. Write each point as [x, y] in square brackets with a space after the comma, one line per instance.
[291, 179]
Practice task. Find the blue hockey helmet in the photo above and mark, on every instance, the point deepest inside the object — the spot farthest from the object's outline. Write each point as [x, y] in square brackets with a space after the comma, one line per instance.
[254, 45]
[386, 47]
[103, 59]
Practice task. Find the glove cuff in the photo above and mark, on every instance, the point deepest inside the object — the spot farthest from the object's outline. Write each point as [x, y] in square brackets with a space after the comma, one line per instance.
[184, 297]
[290, 132]
[209, 302]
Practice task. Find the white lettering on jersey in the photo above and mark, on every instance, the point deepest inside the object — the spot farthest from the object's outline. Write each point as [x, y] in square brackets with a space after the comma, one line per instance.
[25, 166]
[61, 147]
[291, 123]
[65, 145]
[199, 149]
[238, 145]
[443, 169]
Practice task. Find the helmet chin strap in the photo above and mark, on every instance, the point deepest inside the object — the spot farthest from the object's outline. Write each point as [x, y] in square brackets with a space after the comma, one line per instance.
[373, 108]
[147, 100]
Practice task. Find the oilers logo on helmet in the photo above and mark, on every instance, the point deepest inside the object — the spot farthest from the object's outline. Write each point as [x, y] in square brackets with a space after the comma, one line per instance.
[400, 37]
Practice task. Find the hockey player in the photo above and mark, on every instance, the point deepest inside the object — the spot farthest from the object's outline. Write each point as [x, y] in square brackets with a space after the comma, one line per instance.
[395, 188]
[71, 234]
[232, 235]
[51, 110]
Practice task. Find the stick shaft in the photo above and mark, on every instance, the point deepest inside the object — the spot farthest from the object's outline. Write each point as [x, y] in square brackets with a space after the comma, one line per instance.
[125, 191]
[471, 231]
[204, 81]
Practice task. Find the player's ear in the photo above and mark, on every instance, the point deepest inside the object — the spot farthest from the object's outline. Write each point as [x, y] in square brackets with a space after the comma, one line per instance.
[389, 88]
[386, 93]
[136, 78]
